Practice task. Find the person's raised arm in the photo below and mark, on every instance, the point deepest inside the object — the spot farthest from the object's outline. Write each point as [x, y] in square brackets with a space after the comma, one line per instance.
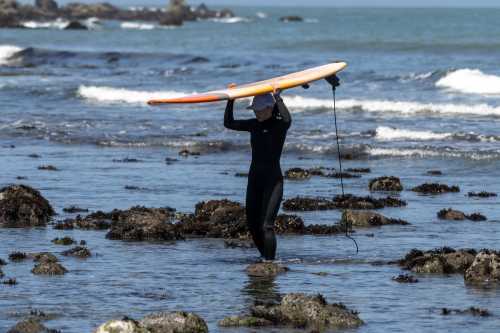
[282, 109]
[230, 123]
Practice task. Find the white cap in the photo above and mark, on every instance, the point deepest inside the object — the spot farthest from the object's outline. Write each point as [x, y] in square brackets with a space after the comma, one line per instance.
[261, 102]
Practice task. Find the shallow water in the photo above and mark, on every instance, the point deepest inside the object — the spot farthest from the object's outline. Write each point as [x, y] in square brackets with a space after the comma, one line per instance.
[63, 101]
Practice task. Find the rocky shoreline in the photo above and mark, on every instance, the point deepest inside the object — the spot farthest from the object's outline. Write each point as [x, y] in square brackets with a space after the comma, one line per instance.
[13, 14]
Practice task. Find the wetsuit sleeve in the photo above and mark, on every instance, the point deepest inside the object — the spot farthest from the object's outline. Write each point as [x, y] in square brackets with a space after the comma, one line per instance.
[237, 125]
[283, 111]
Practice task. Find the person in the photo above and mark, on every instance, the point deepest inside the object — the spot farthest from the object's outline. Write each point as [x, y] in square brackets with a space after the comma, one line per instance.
[268, 132]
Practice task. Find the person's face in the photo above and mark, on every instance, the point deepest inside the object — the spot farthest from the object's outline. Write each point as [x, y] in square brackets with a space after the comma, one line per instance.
[263, 115]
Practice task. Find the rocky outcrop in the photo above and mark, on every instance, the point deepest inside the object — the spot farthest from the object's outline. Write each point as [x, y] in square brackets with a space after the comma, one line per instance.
[433, 188]
[30, 326]
[266, 269]
[140, 223]
[298, 311]
[49, 268]
[23, 206]
[367, 219]
[456, 215]
[439, 261]
[485, 269]
[340, 202]
[386, 184]
[182, 322]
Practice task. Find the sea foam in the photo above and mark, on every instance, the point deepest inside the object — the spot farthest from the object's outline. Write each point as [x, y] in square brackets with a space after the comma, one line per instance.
[471, 81]
[385, 133]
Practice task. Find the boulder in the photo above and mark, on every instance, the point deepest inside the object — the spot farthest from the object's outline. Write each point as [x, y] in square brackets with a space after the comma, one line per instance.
[140, 223]
[75, 25]
[30, 325]
[23, 206]
[297, 174]
[299, 311]
[438, 261]
[126, 325]
[44, 257]
[78, 251]
[64, 241]
[386, 184]
[174, 322]
[49, 268]
[434, 188]
[405, 278]
[485, 269]
[266, 269]
[366, 219]
[450, 214]
[47, 5]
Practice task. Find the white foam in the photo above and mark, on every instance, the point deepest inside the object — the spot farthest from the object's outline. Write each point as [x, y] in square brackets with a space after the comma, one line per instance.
[235, 19]
[137, 26]
[422, 153]
[261, 15]
[388, 133]
[403, 107]
[6, 52]
[57, 24]
[118, 95]
[471, 81]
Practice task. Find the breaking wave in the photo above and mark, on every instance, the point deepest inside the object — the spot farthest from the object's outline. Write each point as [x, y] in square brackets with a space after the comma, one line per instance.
[7, 52]
[137, 26]
[116, 95]
[236, 19]
[471, 81]
[388, 133]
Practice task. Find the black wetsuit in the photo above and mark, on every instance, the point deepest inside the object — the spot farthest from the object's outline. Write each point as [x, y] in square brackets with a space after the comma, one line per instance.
[265, 180]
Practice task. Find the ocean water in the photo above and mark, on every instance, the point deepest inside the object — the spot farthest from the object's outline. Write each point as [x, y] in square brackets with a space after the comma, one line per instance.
[422, 92]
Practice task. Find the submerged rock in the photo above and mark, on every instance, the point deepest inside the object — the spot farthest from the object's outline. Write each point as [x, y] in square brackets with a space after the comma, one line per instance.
[386, 184]
[140, 223]
[297, 174]
[239, 243]
[78, 251]
[456, 215]
[266, 269]
[299, 311]
[49, 268]
[175, 322]
[359, 170]
[30, 326]
[435, 173]
[438, 261]
[470, 311]
[433, 188]
[74, 209]
[485, 269]
[291, 18]
[366, 219]
[340, 202]
[18, 256]
[23, 206]
[10, 282]
[48, 168]
[405, 278]
[482, 194]
[64, 241]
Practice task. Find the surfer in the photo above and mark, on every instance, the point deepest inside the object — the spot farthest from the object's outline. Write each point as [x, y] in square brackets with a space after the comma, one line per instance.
[265, 180]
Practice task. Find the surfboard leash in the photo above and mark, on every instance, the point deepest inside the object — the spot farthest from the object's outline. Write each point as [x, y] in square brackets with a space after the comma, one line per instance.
[335, 82]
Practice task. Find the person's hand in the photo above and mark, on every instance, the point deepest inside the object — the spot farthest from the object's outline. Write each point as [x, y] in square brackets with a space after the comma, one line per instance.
[333, 80]
[276, 91]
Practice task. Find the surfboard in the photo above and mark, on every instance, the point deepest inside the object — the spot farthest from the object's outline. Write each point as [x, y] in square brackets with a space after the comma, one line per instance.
[258, 88]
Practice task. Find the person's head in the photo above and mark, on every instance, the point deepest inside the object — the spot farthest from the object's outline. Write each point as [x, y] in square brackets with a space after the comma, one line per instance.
[262, 106]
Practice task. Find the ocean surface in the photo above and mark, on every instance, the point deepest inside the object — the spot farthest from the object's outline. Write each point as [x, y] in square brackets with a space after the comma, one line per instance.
[422, 92]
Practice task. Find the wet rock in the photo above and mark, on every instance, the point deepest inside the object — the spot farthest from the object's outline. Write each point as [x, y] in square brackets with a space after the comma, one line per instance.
[2, 262]
[291, 18]
[23, 206]
[366, 219]
[429, 188]
[239, 243]
[186, 153]
[320, 171]
[78, 251]
[74, 209]
[344, 175]
[244, 321]
[482, 194]
[64, 241]
[174, 322]
[44, 257]
[241, 174]
[438, 261]
[289, 224]
[21, 178]
[435, 173]
[485, 269]
[266, 269]
[30, 326]
[48, 168]
[405, 278]
[127, 160]
[297, 174]
[359, 170]
[477, 312]
[10, 282]
[34, 156]
[49, 268]
[322, 229]
[456, 215]
[126, 325]
[17, 256]
[340, 202]
[141, 223]
[386, 184]
[1, 274]
[170, 160]
[301, 311]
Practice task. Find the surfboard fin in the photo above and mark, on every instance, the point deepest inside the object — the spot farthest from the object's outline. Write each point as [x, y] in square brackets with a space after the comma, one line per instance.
[306, 86]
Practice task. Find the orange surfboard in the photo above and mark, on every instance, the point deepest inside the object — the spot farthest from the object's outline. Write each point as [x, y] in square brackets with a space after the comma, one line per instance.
[258, 88]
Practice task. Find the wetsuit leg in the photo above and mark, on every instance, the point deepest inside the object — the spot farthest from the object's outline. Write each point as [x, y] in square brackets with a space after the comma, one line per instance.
[253, 208]
[271, 201]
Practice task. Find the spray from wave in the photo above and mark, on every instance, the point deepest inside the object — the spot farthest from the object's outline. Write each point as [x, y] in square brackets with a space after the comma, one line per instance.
[7, 52]
[471, 81]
